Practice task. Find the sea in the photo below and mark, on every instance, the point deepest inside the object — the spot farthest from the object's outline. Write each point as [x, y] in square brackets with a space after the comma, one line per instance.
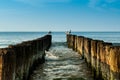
[7, 38]
[64, 63]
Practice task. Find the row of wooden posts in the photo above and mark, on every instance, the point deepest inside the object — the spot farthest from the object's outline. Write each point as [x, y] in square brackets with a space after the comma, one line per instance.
[102, 57]
[18, 61]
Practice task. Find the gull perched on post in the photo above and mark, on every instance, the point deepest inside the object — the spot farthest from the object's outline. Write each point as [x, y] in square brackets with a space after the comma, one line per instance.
[68, 32]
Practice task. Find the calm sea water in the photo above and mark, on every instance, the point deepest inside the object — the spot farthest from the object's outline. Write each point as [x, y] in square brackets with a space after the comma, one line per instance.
[113, 37]
[7, 38]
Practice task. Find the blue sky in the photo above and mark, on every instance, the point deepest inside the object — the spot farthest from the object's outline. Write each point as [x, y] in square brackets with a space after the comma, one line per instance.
[59, 15]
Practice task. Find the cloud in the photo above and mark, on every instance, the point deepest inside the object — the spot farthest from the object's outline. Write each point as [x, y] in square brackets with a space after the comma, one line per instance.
[104, 4]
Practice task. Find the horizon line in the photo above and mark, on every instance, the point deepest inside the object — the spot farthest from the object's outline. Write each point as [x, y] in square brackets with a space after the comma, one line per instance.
[59, 31]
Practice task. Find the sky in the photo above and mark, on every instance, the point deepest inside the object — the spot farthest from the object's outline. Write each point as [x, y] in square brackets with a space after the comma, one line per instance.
[59, 15]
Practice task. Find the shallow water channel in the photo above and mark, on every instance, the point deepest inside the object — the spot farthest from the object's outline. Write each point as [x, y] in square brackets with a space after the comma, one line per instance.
[62, 64]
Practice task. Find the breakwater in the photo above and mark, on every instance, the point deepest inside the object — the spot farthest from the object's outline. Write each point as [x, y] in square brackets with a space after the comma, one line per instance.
[102, 57]
[18, 61]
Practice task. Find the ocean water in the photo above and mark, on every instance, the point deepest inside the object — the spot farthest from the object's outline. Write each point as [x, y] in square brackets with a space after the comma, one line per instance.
[7, 38]
[63, 63]
[113, 37]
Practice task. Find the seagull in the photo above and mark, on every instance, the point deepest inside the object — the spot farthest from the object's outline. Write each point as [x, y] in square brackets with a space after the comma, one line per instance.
[49, 33]
[68, 32]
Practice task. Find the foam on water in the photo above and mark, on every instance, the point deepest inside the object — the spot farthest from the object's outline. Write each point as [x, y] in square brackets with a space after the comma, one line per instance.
[67, 65]
[62, 62]
[49, 56]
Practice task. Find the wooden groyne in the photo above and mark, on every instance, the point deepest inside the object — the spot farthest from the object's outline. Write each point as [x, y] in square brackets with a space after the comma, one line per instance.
[18, 61]
[102, 57]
